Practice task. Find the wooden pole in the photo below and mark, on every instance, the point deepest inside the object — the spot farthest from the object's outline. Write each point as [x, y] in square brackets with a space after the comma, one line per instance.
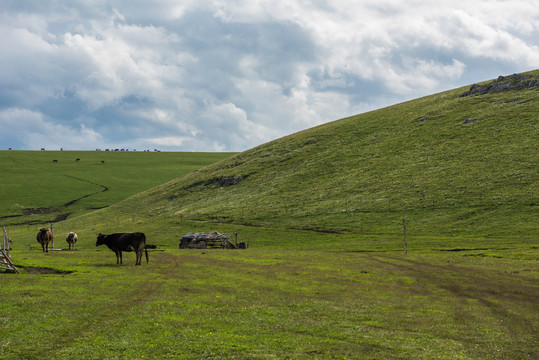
[52, 231]
[5, 242]
[5, 256]
[404, 226]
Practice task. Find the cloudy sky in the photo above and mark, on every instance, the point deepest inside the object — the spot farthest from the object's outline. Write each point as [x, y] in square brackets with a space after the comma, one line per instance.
[227, 75]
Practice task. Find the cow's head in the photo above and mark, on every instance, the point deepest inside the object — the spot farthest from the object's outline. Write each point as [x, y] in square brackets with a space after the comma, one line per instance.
[100, 239]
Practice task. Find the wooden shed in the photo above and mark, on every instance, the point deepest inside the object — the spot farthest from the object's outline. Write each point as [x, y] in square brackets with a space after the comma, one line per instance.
[208, 240]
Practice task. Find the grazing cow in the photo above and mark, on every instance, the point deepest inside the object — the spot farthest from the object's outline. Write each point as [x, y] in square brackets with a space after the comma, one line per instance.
[55, 161]
[77, 159]
[119, 242]
[71, 240]
[44, 237]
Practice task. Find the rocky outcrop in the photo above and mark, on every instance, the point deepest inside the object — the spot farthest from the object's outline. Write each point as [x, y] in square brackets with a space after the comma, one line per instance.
[504, 83]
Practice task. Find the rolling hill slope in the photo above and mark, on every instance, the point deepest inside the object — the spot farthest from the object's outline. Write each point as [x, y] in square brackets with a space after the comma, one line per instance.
[461, 162]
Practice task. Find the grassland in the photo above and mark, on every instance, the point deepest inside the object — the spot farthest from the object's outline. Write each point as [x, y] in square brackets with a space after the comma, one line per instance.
[265, 303]
[36, 190]
[325, 276]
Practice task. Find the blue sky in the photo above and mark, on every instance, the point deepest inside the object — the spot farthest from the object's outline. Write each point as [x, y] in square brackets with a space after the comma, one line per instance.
[197, 75]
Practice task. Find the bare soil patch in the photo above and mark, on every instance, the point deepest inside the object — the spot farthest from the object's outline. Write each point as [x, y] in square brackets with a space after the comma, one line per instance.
[43, 270]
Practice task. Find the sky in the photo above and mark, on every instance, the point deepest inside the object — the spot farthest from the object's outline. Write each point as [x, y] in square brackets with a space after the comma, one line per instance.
[228, 75]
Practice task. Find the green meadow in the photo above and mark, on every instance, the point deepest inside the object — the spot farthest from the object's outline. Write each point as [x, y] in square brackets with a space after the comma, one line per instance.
[41, 186]
[324, 213]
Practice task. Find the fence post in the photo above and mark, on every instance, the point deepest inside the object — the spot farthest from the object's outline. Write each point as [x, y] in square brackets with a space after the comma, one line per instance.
[5, 242]
[52, 231]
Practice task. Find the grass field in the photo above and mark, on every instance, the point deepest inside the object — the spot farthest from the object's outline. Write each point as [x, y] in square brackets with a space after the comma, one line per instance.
[270, 303]
[325, 276]
[36, 190]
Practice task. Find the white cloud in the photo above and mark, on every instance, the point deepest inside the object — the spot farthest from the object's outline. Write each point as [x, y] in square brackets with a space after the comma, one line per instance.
[167, 141]
[123, 60]
[229, 75]
[33, 131]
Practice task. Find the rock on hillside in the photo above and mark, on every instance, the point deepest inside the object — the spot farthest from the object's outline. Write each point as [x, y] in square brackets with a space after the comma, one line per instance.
[504, 83]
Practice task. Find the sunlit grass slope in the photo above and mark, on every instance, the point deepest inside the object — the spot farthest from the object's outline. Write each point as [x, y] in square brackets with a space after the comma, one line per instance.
[455, 165]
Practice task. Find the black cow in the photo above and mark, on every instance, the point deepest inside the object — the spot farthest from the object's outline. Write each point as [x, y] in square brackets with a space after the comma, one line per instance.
[119, 242]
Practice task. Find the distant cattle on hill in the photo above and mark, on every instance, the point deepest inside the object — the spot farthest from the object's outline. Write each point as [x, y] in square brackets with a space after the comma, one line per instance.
[44, 237]
[71, 239]
[119, 242]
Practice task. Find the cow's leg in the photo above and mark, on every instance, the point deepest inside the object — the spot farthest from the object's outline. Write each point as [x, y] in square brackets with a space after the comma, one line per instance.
[121, 262]
[139, 255]
[43, 247]
[47, 247]
[117, 257]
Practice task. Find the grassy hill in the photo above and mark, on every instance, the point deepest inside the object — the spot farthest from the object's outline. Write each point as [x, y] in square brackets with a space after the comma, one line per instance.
[457, 165]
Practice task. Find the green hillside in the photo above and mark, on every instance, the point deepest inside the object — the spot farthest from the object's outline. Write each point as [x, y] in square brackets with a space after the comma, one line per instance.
[455, 163]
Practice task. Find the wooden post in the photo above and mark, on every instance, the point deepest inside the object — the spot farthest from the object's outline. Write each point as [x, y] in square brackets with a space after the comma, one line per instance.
[5, 256]
[5, 242]
[404, 226]
[52, 231]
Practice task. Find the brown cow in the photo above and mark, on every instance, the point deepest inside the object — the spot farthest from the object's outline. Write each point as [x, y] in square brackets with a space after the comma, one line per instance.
[44, 237]
[71, 240]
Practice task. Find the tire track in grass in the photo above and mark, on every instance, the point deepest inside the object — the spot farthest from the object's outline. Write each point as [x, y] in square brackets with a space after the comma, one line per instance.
[499, 293]
[108, 316]
[62, 215]
[464, 281]
[69, 203]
